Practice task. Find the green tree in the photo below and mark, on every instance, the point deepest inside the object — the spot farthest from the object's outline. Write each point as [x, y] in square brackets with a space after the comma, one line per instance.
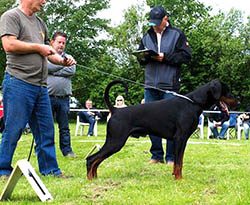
[220, 46]
[126, 37]
[5, 5]
[183, 14]
[83, 26]
[220, 50]
[79, 20]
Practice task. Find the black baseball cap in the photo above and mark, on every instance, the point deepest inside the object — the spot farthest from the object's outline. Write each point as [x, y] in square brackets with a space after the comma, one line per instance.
[156, 15]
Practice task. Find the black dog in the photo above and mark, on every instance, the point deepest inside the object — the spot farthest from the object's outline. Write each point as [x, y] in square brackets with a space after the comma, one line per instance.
[175, 118]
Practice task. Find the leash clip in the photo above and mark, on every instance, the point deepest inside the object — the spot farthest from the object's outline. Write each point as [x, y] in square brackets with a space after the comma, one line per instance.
[64, 56]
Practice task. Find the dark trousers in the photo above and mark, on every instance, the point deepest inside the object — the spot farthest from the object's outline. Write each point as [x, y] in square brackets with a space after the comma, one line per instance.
[156, 147]
[85, 117]
[60, 108]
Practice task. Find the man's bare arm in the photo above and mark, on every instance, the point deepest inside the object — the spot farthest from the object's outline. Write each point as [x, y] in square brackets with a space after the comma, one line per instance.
[13, 45]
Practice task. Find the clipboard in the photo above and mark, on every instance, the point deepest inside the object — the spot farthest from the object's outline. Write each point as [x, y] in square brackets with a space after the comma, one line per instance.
[142, 55]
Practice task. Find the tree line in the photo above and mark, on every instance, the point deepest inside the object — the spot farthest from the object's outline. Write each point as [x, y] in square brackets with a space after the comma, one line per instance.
[219, 43]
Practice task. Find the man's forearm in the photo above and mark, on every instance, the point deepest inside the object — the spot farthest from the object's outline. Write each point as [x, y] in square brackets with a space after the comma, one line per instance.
[56, 59]
[59, 60]
[13, 45]
[66, 71]
[53, 68]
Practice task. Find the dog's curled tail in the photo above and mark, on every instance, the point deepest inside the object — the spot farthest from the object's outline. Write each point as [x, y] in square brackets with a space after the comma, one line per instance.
[106, 94]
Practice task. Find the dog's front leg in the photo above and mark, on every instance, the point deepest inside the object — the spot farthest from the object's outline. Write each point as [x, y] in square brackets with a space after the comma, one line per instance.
[178, 158]
[177, 171]
[92, 172]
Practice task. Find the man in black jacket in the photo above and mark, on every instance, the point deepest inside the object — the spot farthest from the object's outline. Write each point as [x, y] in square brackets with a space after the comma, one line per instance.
[163, 70]
[218, 119]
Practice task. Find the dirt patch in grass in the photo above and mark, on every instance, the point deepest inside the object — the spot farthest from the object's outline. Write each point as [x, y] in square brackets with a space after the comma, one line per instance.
[97, 190]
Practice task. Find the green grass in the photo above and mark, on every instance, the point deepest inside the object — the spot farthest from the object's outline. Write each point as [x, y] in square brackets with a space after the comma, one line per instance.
[214, 173]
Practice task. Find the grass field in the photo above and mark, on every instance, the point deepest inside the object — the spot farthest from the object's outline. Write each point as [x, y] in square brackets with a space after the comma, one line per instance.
[214, 172]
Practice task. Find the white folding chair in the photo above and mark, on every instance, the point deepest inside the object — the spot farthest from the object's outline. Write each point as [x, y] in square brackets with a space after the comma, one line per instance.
[81, 126]
[239, 127]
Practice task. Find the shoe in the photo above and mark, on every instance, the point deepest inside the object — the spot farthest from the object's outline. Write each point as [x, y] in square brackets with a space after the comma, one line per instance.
[212, 137]
[222, 138]
[89, 135]
[170, 163]
[71, 155]
[63, 176]
[5, 176]
[155, 161]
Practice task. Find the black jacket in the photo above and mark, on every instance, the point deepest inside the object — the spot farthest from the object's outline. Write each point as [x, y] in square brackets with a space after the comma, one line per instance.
[218, 117]
[174, 45]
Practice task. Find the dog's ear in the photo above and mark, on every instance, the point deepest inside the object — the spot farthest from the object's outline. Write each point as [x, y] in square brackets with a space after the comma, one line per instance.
[215, 87]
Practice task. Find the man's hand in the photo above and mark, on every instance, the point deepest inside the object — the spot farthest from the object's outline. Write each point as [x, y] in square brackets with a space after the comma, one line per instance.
[46, 50]
[91, 113]
[68, 61]
[217, 124]
[59, 60]
[159, 57]
[244, 116]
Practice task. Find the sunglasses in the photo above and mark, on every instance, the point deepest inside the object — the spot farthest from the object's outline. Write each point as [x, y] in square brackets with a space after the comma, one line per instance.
[119, 100]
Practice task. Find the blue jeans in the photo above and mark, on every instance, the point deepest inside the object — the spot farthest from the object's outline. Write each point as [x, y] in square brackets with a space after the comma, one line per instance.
[224, 128]
[156, 147]
[25, 103]
[85, 117]
[246, 129]
[60, 107]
